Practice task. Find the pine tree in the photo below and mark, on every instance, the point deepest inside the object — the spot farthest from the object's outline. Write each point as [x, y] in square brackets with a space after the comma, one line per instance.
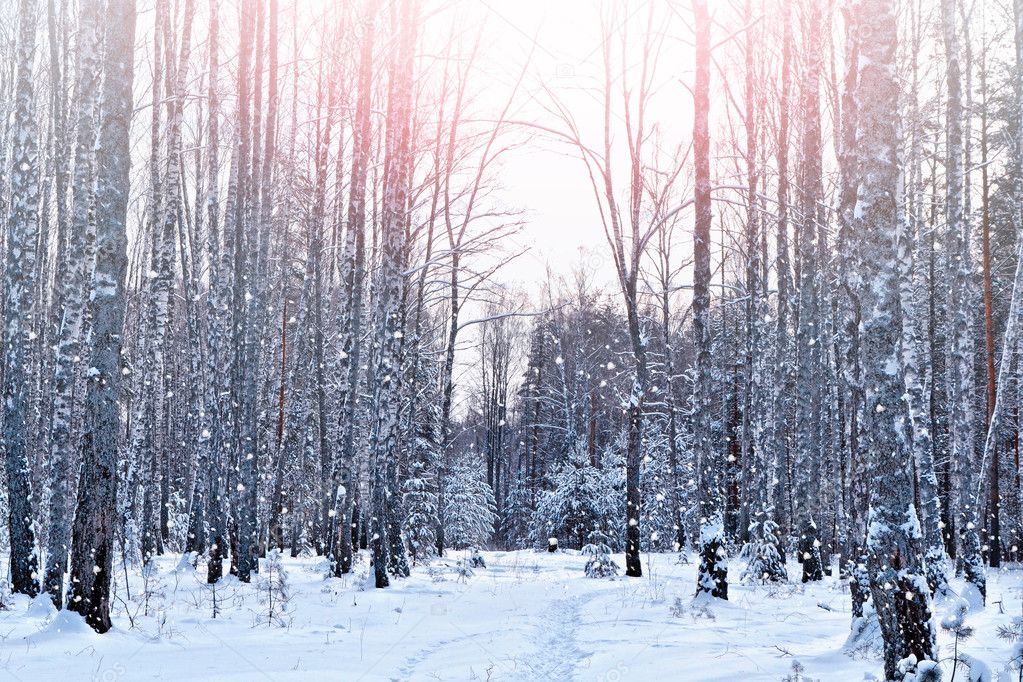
[517, 514]
[470, 511]
[419, 491]
[763, 556]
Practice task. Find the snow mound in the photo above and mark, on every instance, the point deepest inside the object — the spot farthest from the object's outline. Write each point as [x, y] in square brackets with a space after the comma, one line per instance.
[42, 607]
[972, 596]
[865, 634]
[64, 624]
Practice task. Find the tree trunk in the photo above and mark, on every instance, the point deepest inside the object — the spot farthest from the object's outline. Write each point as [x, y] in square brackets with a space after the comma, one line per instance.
[961, 382]
[20, 307]
[93, 536]
[713, 573]
[894, 554]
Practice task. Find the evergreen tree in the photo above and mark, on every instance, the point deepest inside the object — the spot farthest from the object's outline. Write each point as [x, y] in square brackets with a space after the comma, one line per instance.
[470, 511]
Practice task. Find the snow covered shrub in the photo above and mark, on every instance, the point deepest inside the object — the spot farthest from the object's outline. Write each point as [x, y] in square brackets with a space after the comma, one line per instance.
[764, 564]
[187, 563]
[275, 592]
[695, 609]
[928, 671]
[599, 564]
[476, 559]
[469, 508]
[913, 670]
[864, 641]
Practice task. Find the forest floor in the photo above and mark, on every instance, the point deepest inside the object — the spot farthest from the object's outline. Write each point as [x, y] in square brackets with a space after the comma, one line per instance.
[527, 616]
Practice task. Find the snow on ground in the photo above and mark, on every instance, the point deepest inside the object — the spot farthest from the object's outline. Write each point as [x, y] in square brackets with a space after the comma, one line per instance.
[528, 616]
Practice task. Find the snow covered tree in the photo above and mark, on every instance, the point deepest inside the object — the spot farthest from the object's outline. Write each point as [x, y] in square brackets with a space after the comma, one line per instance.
[599, 563]
[898, 586]
[516, 514]
[20, 309]
[810, 339]
[712, 578]
[960, 308]
[420, 503]
[73, 295]
[388, 333]
[470, 511]
[570, 510]
[92, 546]
[764, 563]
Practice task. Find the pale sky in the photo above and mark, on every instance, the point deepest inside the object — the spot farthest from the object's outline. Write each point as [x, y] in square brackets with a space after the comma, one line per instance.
[547, 179]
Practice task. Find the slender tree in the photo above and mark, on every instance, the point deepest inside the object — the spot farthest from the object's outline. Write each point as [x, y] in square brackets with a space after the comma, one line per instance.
[92, 545]
[20, 308]
[712, 578]
[897, 584]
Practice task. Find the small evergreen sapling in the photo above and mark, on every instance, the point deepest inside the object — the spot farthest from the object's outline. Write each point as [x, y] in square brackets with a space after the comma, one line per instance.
[954, 622]
[764, 560]
[275, 590]
[599, 564]
[463, 569]
[1014, 633]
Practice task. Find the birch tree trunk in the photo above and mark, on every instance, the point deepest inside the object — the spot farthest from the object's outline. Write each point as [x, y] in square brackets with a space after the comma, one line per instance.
[353, 281]
[712, 578]
[388, 370]
[20, 308]
[894, 562]
[961, 380]
[73, 287]
[244, 313]
[93, 537]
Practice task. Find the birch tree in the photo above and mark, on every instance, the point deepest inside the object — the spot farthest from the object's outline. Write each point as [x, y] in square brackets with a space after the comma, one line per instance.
[92, 546]
[20, 307]
[897, 583]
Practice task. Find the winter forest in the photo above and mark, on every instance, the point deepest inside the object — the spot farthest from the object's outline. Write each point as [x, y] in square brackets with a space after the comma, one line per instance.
[473, 340]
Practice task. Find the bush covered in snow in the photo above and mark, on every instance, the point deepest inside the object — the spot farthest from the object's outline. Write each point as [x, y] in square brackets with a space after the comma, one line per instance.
[599, 564]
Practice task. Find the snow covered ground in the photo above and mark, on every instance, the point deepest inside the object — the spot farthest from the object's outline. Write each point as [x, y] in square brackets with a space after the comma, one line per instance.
[528, 616]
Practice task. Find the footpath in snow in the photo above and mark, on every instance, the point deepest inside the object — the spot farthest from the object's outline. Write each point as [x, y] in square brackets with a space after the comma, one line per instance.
[528, 616]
